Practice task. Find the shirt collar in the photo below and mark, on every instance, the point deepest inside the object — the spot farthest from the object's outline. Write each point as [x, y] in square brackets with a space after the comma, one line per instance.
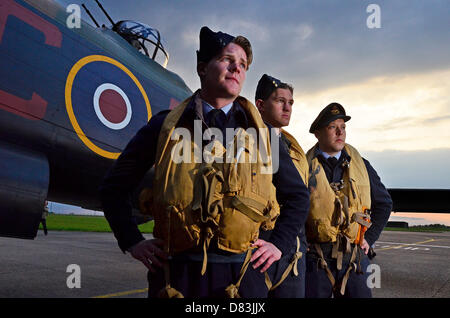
[326, 156]
[207, 108]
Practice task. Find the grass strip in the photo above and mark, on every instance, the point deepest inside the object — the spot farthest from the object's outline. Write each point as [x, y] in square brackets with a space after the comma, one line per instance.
[85, 223]
[433, 228]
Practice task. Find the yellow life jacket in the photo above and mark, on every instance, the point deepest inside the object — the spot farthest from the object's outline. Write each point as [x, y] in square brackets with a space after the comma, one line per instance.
[298, 157]
[195, 201]
[334, 209]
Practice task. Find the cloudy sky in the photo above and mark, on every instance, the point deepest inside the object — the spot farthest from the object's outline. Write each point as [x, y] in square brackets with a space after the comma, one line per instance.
[394, 80]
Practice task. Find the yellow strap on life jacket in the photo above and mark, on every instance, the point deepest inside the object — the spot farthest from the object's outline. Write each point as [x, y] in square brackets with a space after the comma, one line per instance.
[340, 247]
[245, 205]
[292, 266]
[168, 291]
[351, 267]
[232, 290]
[338, 287]
[323, 264]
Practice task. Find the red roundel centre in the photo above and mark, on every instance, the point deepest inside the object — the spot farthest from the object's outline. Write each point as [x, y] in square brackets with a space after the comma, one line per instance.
[113, 106]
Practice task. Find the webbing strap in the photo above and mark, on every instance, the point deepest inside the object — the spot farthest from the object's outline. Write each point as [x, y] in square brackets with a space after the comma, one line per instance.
[205, 191]
[245, 206]
[346, 212]
[205, 257]
[267, 281]
[232, 290]
[337, 218]
[292, 266]
[351, 267]
[207, 236]
[340, 247]
[337, 252]
[296, 257]
[323, 264]
[168, 291]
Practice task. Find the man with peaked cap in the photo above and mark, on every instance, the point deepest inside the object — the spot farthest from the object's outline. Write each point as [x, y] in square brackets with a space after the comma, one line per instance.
[274, 100]
[207, 213]
[347, 199]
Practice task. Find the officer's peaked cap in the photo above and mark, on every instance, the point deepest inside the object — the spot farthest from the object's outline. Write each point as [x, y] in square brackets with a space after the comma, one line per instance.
[330, 113]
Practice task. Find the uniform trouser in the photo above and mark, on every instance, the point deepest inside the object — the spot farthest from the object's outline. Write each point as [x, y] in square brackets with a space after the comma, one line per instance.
[44, 225]
[318, 284]
[185, 276]
[293, 286]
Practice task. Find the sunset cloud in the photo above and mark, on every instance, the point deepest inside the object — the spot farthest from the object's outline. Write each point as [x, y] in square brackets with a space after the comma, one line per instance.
[404, 112]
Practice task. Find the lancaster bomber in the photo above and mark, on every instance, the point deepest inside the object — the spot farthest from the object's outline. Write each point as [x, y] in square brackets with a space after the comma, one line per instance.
[70, 100]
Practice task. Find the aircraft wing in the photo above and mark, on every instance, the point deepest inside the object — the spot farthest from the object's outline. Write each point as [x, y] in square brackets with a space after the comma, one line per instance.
[421, 200]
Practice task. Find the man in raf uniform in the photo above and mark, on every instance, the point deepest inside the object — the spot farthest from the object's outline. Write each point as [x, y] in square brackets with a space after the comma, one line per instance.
[274, 100]
[207, 214]
[347, 198]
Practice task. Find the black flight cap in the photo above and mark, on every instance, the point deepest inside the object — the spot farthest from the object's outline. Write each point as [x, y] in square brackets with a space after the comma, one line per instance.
[266, 85]
[330, 113]
[211, 43]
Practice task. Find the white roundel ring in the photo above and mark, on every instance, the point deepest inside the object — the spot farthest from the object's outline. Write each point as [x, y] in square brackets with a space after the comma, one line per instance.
[124, 103]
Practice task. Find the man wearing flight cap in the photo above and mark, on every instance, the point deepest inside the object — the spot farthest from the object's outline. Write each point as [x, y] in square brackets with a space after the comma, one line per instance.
[207, 214]
[347, 199]
[274, 100]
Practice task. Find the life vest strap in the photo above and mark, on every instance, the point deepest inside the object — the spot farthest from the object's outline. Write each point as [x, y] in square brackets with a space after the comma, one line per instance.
[247, 206]
[337, 253]
[323, 264]
[232, 290]
[207, 236]
[168, 291]
[291, 267]
[340, 247]
[351, 267]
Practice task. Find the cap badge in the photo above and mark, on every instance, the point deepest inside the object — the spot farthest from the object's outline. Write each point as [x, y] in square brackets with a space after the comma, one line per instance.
[334, 110]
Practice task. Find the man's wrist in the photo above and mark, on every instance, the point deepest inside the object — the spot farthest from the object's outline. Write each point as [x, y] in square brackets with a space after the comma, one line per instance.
[130, 249]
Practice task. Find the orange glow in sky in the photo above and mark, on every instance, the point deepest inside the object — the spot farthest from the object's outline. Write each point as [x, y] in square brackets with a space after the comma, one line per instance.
[421, 218]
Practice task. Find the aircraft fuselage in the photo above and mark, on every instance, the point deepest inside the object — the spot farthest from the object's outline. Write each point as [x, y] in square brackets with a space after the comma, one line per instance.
[70, 100]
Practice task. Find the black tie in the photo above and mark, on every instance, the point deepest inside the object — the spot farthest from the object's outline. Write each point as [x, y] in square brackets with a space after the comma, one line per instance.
[332, 161]
[216, 118]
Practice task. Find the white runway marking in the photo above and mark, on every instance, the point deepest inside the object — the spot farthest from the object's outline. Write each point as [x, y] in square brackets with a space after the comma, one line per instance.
[410, 244]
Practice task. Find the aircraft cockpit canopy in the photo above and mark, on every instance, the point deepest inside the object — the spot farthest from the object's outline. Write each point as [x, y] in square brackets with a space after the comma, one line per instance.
[142, 37]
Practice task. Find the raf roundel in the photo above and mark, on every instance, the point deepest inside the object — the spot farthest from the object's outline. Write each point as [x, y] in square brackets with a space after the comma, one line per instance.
[106, 104]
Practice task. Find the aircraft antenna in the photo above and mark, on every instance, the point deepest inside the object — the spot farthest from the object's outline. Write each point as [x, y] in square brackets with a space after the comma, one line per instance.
[87, 11]
[106, 13]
